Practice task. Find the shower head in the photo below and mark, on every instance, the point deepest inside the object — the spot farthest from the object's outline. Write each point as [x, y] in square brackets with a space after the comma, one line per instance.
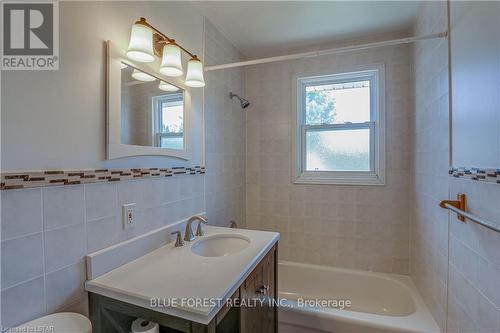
[243, 102]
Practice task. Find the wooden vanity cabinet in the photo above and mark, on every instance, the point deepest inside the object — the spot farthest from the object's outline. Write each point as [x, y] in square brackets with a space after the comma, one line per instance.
[112, 316]
[261, 284]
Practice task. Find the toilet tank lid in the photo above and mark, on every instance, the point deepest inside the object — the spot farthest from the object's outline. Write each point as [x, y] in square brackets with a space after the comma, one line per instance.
[63, 322]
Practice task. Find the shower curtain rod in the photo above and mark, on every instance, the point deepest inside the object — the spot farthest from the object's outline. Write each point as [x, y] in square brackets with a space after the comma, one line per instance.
[318, 53]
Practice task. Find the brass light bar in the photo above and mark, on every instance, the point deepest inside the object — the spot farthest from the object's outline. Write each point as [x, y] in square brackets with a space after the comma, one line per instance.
[146, 42]
[164, 38]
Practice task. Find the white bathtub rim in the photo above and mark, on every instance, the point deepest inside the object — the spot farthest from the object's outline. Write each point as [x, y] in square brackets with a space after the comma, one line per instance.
[419, 321]
[401, 280]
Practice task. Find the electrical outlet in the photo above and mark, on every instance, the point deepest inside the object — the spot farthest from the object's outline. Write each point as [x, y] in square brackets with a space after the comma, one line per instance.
[128, 214]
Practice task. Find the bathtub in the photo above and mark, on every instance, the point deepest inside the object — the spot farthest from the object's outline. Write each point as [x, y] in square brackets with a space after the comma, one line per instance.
[380, 303]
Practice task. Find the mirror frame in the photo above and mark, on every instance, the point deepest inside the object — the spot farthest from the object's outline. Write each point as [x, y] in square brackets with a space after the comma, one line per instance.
[114, 147]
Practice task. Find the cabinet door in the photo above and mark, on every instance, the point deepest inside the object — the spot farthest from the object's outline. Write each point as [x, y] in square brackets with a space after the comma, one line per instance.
[251, 314]
[260, 317]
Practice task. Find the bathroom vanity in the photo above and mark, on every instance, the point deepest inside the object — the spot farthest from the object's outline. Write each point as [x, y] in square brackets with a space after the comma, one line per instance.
[224, 281]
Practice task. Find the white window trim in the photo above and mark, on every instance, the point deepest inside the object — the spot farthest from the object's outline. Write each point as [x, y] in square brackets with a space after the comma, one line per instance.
[377, 100]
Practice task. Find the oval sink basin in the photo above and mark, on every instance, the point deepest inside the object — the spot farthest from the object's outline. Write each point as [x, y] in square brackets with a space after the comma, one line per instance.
[220, 245]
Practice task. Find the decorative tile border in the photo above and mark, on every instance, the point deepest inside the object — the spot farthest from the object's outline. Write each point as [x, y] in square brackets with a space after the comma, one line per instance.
[18, 180]
[485, 175]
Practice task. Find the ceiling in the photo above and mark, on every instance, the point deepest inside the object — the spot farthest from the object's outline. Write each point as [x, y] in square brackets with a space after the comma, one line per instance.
[262, 28]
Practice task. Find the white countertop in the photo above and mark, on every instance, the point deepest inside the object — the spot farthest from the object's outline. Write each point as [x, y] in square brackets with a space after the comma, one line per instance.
[177, 273]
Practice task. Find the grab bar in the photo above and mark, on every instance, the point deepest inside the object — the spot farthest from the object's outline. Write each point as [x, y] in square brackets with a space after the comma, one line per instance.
[458, 206]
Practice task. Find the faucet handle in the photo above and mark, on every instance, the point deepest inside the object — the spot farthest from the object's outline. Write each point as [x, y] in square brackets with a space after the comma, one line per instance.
[178, 241]
[199, 229]
[232, 224]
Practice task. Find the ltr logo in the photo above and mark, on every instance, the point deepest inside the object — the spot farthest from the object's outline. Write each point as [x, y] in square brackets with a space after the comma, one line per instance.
[29, 35]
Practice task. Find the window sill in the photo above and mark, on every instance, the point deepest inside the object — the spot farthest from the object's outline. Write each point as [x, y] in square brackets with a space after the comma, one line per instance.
[359, 180]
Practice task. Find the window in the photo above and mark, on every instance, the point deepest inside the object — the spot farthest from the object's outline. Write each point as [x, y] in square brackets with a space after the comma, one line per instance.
[169, 121]
[340, 128]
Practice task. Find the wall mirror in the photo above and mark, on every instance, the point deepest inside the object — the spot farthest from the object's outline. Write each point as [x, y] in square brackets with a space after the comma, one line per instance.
[475, 84]
[152, 112]
[146, 113]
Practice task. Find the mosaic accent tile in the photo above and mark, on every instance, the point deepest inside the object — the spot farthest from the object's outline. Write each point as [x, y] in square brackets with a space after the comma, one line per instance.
[10, 181]
[485, 175]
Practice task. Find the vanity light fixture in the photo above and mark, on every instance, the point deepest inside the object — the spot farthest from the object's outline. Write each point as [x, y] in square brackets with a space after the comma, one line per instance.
[194, 76]
[141, 76]
[171, 63]
[146, 41]
[167, 86]
[140, 46]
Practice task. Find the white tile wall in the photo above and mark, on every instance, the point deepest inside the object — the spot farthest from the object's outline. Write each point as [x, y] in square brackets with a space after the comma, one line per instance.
[22, 259]
[64, 246]
[23, 302]
[348, 226]
[455, 266]
[224, 133]
[46, 233]
[62, 206]
[474, 272]
[21, 213]
[65, 286]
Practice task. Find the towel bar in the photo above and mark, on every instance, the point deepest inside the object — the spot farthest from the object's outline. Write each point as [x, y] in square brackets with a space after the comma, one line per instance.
[459, 206]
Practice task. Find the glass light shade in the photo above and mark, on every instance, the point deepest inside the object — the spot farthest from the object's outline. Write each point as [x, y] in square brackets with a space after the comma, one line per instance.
[141, 76]
[171, 64]
[194, 76]
[140, 47]
[167, 86]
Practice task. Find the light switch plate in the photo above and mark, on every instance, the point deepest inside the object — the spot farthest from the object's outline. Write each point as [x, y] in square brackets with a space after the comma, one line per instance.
[128, 215]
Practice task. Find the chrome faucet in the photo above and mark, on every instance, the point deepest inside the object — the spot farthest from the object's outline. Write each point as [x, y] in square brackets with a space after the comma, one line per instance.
[178, 239]
[232, 224]
[188, 233]
[199, 229]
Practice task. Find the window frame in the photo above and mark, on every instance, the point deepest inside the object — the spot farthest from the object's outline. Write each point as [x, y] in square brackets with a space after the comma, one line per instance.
[157, 102]
[375, 74]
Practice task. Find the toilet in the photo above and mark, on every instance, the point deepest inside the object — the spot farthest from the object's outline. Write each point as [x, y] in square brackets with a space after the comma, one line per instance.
[63, 322]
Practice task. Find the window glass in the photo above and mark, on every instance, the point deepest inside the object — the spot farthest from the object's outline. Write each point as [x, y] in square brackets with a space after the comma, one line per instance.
[171, 117]
[170, 121]
[171, 142]
[338, 150]
[337, 103]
